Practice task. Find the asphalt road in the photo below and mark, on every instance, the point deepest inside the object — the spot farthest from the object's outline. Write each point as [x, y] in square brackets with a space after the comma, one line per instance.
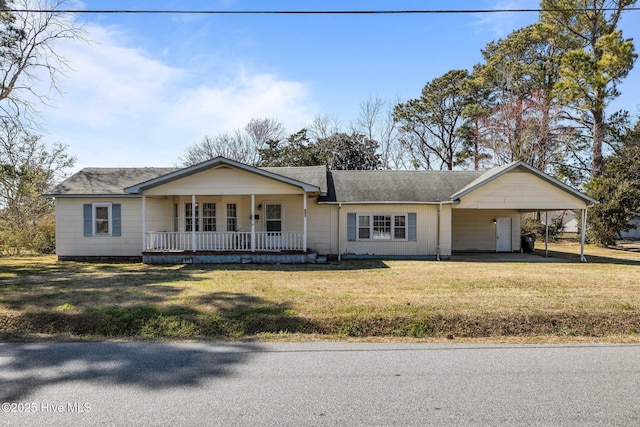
[301, 384]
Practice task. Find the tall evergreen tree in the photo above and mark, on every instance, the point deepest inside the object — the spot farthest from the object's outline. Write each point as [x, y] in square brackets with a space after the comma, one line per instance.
[599, 58]
[430, 125]
[617, 189]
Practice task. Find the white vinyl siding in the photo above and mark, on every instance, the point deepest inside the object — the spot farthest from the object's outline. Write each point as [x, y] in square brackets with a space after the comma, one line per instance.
[426, 231]
[519, 190]
[474, 230]
[322, 231]
[70, 236]
[223, 181]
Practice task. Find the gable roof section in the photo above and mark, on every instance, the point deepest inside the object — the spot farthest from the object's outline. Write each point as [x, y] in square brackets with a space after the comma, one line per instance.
[397, 186]
[105, 181]
[213, 163]
[494, 173]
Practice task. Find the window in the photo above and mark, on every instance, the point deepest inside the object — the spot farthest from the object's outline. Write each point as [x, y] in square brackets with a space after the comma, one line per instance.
[273, 217]
[400, 227]
[364, 228]
[175, 217]
[188, 217]
[205, 215]
[382, 227]
[208, 217]
[232, 217]
[101, 224]
[102, 219]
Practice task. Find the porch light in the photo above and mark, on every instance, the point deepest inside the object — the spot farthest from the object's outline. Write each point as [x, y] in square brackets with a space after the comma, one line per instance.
[494, 221]
[260, 207]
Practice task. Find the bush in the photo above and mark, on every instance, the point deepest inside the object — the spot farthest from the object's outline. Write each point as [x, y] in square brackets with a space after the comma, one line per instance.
[531, 224]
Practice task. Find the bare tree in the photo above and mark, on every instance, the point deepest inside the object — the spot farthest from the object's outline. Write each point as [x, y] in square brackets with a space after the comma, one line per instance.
[29, 32]
[241, 146]
[259, 132]
[376, 121]
[28, 168]
[323, 126]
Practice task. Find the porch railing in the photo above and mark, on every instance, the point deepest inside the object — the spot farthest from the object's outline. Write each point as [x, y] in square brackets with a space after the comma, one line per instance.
[222, 241]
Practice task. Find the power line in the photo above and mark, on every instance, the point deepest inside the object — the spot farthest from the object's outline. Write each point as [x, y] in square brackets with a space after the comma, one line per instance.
[303, 12]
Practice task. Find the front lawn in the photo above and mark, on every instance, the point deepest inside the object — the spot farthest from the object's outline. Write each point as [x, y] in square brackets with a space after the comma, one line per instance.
[495, 301]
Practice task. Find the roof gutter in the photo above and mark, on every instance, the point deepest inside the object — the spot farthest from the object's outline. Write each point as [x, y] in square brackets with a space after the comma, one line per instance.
[92, 196]
[388, 203]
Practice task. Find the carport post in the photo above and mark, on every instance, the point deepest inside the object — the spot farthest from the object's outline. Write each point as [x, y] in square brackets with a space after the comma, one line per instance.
[583, 229]
[546, 234]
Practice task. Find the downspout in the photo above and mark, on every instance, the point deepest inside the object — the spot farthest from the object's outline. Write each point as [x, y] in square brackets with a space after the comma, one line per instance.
[438, 233]
[339, 234]
[304, 222]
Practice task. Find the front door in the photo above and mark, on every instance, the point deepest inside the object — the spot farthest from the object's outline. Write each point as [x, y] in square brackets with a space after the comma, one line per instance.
[273, 225]
[503, 235]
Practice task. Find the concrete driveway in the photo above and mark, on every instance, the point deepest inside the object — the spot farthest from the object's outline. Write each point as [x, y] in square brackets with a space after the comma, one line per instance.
[505, 257]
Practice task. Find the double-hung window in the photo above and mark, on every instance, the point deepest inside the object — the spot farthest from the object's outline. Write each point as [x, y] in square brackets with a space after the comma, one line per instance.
[208, 217]
[102, 219]
[232, 217]
[382, 227]
[205, 217]
[190, 215]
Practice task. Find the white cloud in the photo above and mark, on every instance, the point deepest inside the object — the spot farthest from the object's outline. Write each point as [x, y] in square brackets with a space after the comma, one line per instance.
[247, 96]
[500, 24]
[122, 107]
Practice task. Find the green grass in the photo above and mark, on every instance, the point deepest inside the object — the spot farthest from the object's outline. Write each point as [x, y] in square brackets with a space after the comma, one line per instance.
[496, 301]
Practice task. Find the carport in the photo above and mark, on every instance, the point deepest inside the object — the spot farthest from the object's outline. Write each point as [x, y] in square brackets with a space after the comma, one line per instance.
[486, 213]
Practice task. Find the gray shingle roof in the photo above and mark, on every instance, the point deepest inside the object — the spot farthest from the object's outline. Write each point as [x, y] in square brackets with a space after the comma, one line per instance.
[336, 186]
[106, 181]
[398, 186]
[314, 175]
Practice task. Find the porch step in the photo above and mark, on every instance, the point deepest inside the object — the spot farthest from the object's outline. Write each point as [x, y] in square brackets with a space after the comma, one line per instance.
[314, 258]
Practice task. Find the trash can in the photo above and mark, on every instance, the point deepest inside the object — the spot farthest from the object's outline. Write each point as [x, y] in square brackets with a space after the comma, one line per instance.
[528, 242]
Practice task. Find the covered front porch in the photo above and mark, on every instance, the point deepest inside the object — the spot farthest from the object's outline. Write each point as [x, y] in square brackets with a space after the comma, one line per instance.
[223, 224]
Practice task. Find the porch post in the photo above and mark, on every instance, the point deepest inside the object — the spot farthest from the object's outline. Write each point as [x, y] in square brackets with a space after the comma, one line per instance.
[193, 223]
[253, 223]
[583, 230]
[144, 223]
[304, 222]
[546, 233]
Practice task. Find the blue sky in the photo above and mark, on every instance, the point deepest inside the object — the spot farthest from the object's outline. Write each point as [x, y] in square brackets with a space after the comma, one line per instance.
[149, 86]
